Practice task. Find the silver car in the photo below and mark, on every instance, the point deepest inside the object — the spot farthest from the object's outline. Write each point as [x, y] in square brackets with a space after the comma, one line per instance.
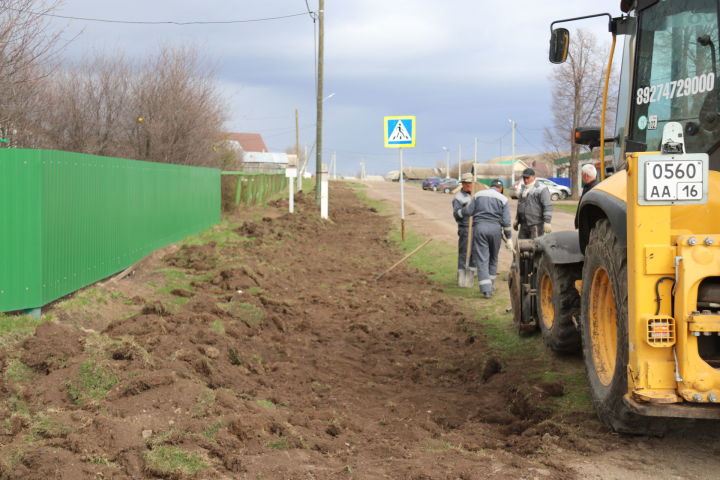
[557, 191]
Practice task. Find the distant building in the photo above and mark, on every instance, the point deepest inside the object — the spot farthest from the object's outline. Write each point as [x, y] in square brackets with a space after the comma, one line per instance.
[267, 162]
[245, 142]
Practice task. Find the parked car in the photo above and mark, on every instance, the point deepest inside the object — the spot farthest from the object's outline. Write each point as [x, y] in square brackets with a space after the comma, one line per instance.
[557, 191]
[431, 183]
[448, 185]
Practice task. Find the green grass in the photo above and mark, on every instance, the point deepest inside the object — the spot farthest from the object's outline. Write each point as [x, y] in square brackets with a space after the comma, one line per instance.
[93, 382]
[246, 312]
[203, 404]
[168, 459]
[212, 430]
[266, 404]
[44, 427]
[16, 327]
[378, 205]
[355, 185]
[280, 444]
[218, 326]
[566, 207]
[17, 371]
[222, 234]
[18, 405]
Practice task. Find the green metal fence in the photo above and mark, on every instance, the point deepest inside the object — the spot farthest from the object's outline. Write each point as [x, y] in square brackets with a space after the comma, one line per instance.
[252, 188]
[68, 220]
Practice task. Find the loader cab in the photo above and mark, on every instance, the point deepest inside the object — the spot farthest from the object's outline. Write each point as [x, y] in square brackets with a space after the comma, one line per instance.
[674, 76]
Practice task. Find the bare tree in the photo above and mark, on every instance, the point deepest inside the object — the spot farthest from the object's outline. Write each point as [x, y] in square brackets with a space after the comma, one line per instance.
[89, 108]
[27, 51]
[182, 113]
[577, 98]
[164, 110]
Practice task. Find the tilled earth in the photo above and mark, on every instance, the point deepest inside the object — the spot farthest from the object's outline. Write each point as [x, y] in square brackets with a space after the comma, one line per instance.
[278, 358]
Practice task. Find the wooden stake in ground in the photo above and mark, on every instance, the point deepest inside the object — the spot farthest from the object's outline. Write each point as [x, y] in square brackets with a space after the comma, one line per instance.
[403, 259]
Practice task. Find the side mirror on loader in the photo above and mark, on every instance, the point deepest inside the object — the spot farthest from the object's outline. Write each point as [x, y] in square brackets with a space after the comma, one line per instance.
[589, 136]
[559, 42]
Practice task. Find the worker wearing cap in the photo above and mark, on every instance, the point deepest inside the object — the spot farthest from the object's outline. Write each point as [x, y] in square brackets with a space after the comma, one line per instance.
[491, 221]
[461, 199]
[534, 209]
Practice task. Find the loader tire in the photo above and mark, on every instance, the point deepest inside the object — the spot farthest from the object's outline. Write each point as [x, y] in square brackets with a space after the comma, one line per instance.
[558, 303]
[603, 325]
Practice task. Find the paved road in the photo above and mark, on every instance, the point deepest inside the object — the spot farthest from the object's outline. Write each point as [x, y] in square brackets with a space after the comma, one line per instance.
[430, 213]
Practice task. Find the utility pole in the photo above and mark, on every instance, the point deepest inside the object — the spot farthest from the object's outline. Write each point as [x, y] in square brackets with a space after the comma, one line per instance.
[459, 160]
[474, 158]
[512, 160]
[297, 139]
[318, 131]
[447, 162]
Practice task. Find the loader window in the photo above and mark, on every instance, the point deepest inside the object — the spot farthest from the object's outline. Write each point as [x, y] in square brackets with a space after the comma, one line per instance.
[676, 77]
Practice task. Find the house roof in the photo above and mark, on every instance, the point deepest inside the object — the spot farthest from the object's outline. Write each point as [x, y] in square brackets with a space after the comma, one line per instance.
[249, 142]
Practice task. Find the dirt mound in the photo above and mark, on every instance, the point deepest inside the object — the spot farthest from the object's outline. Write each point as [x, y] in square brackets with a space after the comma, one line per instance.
[277, 358]
[51, 347]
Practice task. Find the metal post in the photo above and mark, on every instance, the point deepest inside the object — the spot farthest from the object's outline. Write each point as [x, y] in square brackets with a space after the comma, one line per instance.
[324, 192]
[291, 198]
[318, 130]
[402, 198]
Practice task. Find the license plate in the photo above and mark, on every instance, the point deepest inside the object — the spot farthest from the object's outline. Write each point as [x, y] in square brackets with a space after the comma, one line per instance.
[674, 179]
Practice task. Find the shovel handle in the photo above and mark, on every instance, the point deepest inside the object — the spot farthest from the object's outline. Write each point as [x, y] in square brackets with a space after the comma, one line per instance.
[470, 229]
[469, 243]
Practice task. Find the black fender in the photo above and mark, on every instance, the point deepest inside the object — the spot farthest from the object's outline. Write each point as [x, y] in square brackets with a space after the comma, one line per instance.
[561, 247]
[597, 204]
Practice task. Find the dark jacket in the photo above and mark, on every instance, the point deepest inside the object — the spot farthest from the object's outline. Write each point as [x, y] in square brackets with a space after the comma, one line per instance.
[534, 205]
[586, 188]
[460, 199]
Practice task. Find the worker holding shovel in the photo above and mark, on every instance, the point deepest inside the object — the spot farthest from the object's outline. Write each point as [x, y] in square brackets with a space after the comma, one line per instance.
[466, 265]
[490, 210]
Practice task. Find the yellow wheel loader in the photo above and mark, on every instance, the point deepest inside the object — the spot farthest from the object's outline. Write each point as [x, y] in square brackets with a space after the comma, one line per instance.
[637, 286]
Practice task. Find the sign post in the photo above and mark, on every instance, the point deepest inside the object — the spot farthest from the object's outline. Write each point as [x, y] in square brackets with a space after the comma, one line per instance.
[291, 173]
[400, 133]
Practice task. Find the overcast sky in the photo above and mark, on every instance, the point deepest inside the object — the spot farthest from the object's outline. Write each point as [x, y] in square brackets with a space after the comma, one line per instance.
[463, 67]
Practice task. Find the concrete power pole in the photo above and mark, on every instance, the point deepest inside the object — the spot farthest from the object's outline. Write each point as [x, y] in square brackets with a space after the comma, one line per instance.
[512, 160]
[318, 131]
[297, 139]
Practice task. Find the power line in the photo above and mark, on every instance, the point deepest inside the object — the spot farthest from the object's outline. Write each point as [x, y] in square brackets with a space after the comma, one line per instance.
[310, 12]
[527, 141]
[163, 22]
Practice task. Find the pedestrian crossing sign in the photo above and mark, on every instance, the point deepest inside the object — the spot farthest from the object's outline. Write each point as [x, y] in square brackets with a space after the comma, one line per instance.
[400, 131]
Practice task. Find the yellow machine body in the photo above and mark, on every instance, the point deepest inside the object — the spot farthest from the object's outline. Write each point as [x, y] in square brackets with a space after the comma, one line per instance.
[664, 364]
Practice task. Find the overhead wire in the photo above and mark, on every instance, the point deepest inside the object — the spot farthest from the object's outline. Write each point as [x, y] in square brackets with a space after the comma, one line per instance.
[159, 22]
[526, 140]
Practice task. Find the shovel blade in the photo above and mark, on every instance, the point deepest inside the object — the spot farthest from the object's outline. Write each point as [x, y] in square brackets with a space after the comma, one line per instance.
[466, 278]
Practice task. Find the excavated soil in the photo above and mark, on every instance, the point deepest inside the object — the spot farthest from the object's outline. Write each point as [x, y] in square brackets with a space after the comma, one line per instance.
[280, 359]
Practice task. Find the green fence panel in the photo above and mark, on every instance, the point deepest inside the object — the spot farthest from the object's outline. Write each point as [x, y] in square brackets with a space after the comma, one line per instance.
[252, 188]
[69, 219]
